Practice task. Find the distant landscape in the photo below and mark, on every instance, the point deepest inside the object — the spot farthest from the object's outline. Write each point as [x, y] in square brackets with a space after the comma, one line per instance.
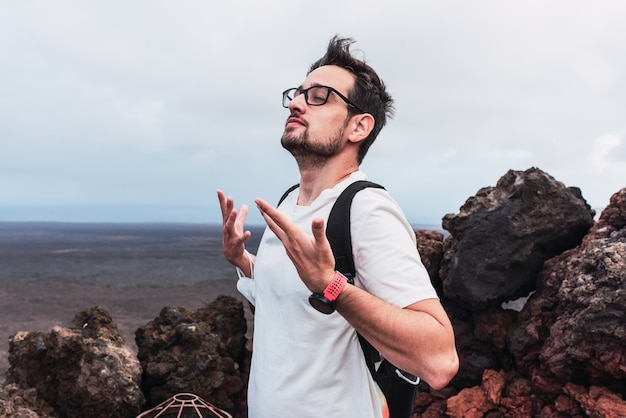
[50, 271]
[113, 254]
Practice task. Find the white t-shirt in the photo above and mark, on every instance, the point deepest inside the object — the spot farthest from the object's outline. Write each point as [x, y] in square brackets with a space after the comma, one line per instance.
[308, 364]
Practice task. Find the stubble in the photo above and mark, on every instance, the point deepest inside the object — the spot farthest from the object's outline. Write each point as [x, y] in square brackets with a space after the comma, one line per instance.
[312, 153]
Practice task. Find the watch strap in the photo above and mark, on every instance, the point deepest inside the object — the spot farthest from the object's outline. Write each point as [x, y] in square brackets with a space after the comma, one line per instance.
[335, 286]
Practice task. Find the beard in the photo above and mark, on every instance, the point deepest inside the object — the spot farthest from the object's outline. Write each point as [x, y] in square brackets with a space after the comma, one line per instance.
[311, 153]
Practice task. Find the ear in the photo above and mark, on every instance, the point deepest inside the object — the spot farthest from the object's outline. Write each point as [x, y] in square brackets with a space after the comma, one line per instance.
[361, 125]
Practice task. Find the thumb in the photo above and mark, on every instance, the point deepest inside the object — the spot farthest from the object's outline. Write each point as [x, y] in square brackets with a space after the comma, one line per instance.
[243, 212]
[317, 227]
[324, 251]
[319, 235]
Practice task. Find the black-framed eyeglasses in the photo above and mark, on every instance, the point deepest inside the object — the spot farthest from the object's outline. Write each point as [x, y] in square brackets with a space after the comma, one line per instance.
[315, 96]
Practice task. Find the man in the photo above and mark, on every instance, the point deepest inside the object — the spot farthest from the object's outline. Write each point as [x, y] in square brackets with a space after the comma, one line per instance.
[305, 363]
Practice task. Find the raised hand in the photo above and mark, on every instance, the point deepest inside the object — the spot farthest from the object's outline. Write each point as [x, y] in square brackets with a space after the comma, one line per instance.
[233, 234]
[311, 255]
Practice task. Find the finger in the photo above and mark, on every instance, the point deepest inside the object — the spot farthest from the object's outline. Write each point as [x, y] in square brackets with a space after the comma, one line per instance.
[243, 213]
[269, 220]
[230, 220]
[245, 236]
[280, 220]
[319, 234]
[241, 219]
[226, 204]
[271, 224]
[317, 227]
[222, 199]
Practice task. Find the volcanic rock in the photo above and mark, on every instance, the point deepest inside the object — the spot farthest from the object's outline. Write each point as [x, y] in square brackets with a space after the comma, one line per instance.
[564, 354]
[431, 248]
[199, 352]
[502, 236]
[573, 329]
[83, 371]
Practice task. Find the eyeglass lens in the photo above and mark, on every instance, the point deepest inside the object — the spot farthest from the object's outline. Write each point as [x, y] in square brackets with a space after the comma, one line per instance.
[314, 96]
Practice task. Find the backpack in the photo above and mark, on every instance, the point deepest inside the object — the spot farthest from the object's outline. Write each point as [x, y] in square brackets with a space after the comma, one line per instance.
[399, 387]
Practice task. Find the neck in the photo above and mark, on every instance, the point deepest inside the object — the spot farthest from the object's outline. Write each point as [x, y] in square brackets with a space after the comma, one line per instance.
[313, 181]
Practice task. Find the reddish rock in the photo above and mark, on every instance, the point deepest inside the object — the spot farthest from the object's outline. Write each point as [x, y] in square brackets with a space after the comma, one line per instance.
[423, 399]
[469, 403]
[597, 402]
[567, 406]
[431, 249]
[436, 409]
[573, 329]
[79, 372]
[493, 384]
[492, 326]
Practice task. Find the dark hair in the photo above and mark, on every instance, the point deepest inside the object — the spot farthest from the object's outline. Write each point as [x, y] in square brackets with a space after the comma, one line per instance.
[369, 91]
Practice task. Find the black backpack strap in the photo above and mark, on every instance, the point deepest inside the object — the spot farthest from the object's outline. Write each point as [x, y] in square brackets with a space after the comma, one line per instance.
[289, 190]
[338, 228]
[340, 238]
[400, 394]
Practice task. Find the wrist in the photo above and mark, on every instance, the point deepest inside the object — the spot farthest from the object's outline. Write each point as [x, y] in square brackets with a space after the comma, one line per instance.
[244, 262]
[335, 287]
[325, 301]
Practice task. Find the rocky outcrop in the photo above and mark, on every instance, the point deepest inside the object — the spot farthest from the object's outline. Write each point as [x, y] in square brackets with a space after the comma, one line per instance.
[573, 329]
[83, 371]
[502, 236]
[199, 352]
[560, 351]
[89, 371]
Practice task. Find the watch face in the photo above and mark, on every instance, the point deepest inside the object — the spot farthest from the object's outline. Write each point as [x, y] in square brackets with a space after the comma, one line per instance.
[319, 302]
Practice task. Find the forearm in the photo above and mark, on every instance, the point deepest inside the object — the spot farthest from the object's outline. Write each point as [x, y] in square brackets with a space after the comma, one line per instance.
[419, 342]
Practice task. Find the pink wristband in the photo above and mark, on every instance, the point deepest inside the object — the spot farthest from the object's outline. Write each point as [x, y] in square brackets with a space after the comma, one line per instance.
[335, 287]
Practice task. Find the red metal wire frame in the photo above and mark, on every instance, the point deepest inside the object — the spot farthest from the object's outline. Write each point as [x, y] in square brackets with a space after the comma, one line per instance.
[184, 402]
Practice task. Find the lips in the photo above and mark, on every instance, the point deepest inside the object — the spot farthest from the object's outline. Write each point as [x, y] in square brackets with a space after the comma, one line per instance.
[294, 121]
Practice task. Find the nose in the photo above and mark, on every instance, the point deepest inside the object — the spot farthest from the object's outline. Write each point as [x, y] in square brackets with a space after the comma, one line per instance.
[297, 104]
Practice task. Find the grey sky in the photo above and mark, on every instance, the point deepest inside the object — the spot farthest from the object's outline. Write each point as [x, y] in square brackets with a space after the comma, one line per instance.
[140, 110]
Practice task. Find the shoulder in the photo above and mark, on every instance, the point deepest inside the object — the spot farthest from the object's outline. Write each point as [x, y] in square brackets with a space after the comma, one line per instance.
[372, 200]
[375, 210]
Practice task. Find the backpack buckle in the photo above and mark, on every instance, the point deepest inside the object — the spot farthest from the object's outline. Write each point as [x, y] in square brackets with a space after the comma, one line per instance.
[408, 377]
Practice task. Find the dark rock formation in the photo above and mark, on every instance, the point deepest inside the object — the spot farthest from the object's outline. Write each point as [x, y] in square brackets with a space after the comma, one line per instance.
[83, 371]
[199, 352]
[502, 236]
[564, 353]
[430, 247]
[573, 328]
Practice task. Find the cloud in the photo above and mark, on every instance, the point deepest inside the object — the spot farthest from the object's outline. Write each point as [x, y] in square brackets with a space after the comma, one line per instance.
[160, 102]
[608, 155]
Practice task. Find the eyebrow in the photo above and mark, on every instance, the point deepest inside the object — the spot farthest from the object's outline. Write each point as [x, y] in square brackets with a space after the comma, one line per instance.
[312, 85]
